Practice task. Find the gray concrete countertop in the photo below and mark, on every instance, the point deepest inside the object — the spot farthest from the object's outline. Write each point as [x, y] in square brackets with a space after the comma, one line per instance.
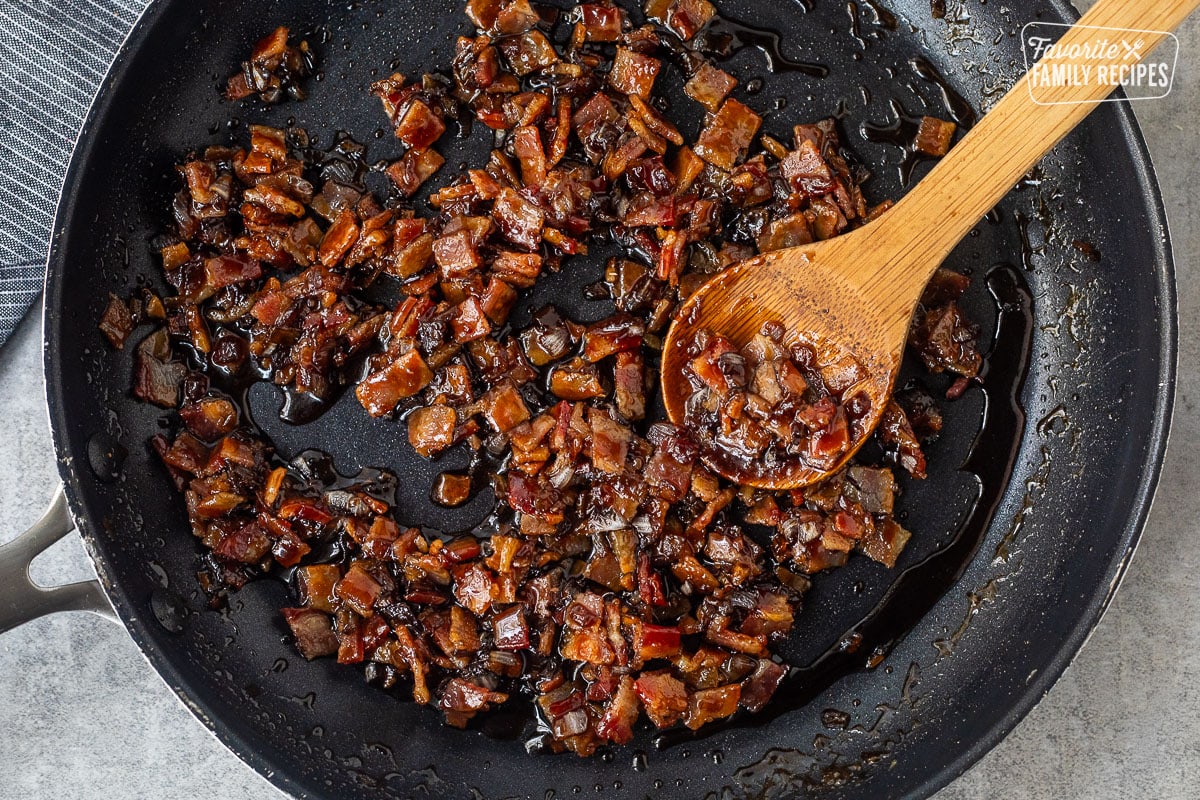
[82, 715]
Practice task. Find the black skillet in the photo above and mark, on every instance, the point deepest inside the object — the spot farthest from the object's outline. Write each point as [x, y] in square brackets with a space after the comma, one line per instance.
[1078, 395]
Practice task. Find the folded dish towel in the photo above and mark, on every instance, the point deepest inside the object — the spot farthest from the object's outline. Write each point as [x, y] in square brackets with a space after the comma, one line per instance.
[53, 55]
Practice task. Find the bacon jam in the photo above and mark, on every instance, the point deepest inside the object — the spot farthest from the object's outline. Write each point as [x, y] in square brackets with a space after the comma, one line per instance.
[617, 577]
[770, 405]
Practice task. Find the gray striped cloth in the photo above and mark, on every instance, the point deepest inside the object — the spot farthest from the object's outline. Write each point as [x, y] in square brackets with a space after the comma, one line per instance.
[53, 54]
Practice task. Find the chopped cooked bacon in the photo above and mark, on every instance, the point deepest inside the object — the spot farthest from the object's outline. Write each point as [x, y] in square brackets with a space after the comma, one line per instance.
[934, 136]
[462, 699]
[519, 220]
[274, 70]
[417, 126]
[727, 137]
[664, 697]
[117, 322]
[312, 632]
[416, 167]
[897, 435]
[633, 73]
[946, 340]
[380, 391]
[431, 429]
[157, 374]
[709, 86]
[451, 489]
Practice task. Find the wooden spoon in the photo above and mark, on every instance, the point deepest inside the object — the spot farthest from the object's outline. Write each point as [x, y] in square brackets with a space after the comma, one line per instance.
[855, 294]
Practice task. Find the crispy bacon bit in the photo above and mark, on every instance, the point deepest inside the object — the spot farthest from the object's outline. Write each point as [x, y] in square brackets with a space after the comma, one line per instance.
[519, 220]
[431, 429]
[664, 697]
[418, 127]
[511, 631]
[381, 391]
[157, 375]
[707, 705]
[529, 52]
[934, 136]
[461, 700]
[315, 586]
[727, 137]
[709, 86]
[340, 237]
[897, 434]
[758, 689]
[209, 418]
[274, 70]
[687, 17]
[451, 489]
[358, 590]
[946, 340]
[311, 631]
[601, 22]
[504, 408]
[116, 323]
[416, 167]
[576, 380]
[633, 73]
[884, 542]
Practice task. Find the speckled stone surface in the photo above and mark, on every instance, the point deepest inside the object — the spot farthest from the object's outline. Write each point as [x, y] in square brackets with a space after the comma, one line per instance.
[83, 716]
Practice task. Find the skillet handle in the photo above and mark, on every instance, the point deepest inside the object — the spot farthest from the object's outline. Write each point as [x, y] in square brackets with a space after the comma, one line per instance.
[22, 600]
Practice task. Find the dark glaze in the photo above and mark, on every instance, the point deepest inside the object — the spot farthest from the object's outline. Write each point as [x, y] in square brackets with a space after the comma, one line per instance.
[902, 133]
[723, 38]
[1022, 220]
[915, 592]
[883, 17]
[301, 408]
[960, 110]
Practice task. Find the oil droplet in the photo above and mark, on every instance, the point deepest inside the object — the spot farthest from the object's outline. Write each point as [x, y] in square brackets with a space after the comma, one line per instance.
[640, 761]
[168, 608]
[717, 756]
[308, 701]
[1054, 422]
[160, 574]
[280, 665]
[105, 457]
[834, 719]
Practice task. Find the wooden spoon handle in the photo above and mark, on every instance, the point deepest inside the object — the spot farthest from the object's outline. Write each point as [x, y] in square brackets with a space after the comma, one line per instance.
[1010, 139]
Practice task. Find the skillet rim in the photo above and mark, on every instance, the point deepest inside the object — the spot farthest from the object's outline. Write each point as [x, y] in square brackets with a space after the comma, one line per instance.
[1064, 653]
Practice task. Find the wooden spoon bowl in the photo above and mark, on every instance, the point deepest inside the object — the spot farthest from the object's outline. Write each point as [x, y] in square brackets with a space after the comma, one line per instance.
[855, 294]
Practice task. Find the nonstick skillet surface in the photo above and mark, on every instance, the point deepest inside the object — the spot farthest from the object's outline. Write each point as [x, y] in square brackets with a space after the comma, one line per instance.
[1095, 398]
